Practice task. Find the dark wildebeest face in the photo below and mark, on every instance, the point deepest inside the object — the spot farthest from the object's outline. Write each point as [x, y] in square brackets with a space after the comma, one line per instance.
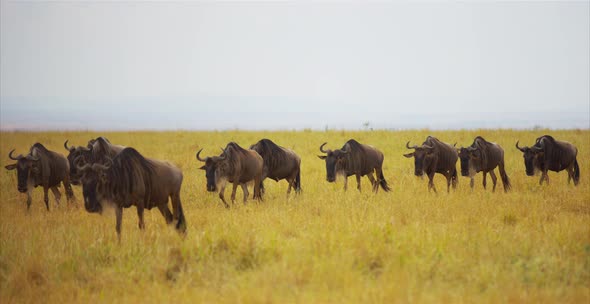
[467, 156]
[25, 165]
[211, 167]
[81, 153]
[334, 159]
[94, 180]
[422, 157]
[532, 158]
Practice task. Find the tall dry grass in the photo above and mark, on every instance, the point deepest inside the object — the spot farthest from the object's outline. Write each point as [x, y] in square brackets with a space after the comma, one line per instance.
[324, 246]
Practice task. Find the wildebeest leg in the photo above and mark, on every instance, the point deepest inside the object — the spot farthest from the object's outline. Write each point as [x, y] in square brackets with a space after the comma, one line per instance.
[358, 182]
[345, 182]
[257, 193]
[68, 189]
[119, 217]
[545, 177]
[570, 173]
[485, 182]
[46, 197]
[471, 182]
[29, 198]
[233, 192]
[494, 179]
[56, 194]
[245, 190]
[374, 183]
[431, 182]
[449, 177]
[166, 212]
[221, 195]
[291, 182]
[140, 216]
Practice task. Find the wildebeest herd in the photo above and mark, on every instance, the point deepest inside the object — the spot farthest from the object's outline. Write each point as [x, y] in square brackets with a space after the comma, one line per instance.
[122, 176]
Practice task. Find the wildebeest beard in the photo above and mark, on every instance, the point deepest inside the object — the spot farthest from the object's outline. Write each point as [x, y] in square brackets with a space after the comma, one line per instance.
[91, 199]
[214, 170]
[27, 170]
[533, 162]
[335, 165]
[421, 161]
[468, 163]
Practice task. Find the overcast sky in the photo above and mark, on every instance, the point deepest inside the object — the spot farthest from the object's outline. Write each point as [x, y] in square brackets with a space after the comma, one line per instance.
[211, 65]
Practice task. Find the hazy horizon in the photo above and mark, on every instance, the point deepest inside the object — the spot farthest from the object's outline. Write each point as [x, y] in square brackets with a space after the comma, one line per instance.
[101, 65]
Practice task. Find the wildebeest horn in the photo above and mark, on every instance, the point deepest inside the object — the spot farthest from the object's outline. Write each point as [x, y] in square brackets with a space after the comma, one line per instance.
[322, 148]
[455, 144]
[519, 148]
[33, 158]
[66, 145]
[408, 146]
[199, 157]
[14, 158]
[427, 147]
[77, 160]
[89, 149]
[83, 168]
[471, 148]
[98, 166]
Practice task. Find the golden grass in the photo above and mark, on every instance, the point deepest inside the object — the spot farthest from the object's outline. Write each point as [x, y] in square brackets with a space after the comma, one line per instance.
[325, 246]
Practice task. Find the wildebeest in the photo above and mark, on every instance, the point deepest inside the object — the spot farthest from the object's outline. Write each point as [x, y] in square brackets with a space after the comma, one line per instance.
[279, 163]
[130, 179]
[435, 156]
[235, 165]
[550, 154]
[97, 151]
[483, 156]
[355, 159]
[42, 167]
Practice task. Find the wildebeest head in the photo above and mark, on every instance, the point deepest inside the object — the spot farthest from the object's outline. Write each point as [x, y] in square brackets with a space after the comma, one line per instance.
[467, 156]
[532, 157]
[334, 160]
[25, 166]
[75, 152]
[93, 178]
[422, 157]
[212, 166]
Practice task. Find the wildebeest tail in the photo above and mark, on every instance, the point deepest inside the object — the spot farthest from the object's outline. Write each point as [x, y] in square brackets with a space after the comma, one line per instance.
[576, 172]
[383, 183]
[505, 179]
[298, 182]
[181, 225]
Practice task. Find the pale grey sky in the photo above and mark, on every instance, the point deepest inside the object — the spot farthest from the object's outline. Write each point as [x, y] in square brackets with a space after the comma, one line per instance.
[268, 65]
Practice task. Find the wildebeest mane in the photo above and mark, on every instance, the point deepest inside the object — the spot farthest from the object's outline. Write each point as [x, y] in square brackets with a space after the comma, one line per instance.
[447, 155]
[130, 174]
[548, 137]
[355, 158]
[101, 149]
[553, 150]
[231, 152]
[45, 160]
[482, 144]
[272, 154]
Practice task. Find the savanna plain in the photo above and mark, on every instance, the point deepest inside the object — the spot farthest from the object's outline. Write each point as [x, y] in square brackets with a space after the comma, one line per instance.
[325, 245]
